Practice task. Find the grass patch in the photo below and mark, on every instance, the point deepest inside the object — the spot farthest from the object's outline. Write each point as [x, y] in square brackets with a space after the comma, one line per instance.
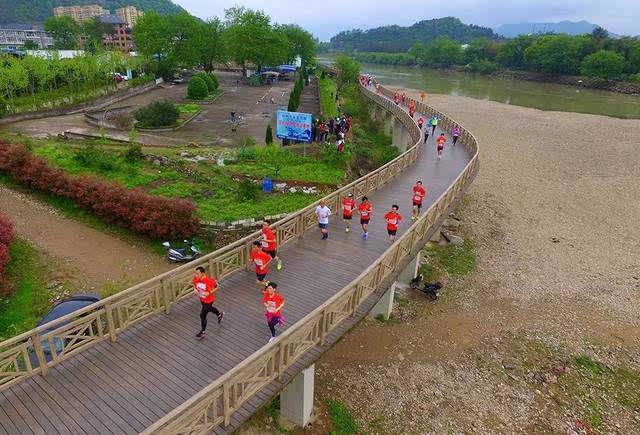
[188, 108]
[209, 98]
[449, 260]
[327, 89]
[27, 273]
[342, 419]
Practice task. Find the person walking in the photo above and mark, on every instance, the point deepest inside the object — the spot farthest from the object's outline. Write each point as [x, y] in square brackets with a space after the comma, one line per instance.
[261, 259]
[423, 95]
[269, 243]
[323, 212]
[206, 289]
[365, 210]
[412, 108]
[393, 219]
[273, 302]
[419, 193]
[434, 124]
[455, 132]
[348, 205]
[440, 141]
[426, 131]
[420, 123]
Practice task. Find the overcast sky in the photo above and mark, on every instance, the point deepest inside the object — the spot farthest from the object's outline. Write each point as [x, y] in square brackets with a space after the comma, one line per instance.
[327, 17]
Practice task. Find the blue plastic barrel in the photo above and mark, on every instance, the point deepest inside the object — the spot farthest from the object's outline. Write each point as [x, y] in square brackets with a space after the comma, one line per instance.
[267, 185]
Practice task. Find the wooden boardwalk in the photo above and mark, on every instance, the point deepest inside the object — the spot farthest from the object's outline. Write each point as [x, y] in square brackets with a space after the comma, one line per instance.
[157, 364]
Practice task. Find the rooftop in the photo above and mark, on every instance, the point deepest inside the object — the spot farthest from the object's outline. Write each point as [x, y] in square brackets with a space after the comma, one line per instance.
[111, 19]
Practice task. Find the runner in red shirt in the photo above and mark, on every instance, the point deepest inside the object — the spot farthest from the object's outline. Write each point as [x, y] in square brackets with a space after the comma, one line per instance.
[440, 141]
[206, 288]
[273, 302]
[420, 122]
[412, 108]
[348, 205]
[365, 210]
[393, 219]
[269, 244]
[261, 259]
[419, 193]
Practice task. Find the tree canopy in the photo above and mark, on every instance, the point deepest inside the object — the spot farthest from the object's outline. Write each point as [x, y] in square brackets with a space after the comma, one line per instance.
[65, 32]
[603, 64]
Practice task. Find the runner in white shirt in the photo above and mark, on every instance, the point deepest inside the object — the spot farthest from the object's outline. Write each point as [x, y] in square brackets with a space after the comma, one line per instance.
[323, 212]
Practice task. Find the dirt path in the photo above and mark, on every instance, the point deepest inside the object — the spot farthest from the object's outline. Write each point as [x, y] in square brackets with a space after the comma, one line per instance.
[94, 259]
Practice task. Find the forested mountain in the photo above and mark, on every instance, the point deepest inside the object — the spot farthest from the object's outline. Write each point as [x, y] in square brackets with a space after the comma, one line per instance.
[36, 11]
[568, 27]
[400, 39]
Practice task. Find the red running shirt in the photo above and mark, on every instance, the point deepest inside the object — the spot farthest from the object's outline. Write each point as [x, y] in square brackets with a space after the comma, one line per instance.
[273, 302]
[365, 210]
[260, 259]
[393, 219]
[205, 285]
[348, 204]
[267, 234]
[419, 193]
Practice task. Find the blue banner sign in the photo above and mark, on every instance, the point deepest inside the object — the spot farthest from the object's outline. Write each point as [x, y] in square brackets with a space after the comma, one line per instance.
[293, 125]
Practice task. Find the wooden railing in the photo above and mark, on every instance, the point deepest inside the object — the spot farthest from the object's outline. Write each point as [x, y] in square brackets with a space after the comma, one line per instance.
[216, 403]
[24, 356]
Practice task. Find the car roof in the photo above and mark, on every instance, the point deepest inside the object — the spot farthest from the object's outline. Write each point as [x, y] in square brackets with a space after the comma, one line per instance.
[67, 306]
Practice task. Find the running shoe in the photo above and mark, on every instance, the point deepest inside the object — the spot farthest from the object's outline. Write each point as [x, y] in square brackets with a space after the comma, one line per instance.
[200, 334]
[220, 317]
[271, 339]
[279, 265]
[346, 230]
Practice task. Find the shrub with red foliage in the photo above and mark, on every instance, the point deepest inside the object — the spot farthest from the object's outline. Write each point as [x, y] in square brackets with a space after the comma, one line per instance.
[132, 208]
[6, 237]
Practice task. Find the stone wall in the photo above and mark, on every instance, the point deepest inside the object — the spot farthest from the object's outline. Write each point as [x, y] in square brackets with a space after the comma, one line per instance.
[96, 104]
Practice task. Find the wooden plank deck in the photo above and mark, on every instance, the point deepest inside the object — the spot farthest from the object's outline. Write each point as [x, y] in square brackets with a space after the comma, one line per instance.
[157, 364]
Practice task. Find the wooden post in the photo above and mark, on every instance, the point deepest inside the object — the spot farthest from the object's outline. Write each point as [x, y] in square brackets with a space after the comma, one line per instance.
[226, 408]
[110, 322]
[37, 346]
[167, 296]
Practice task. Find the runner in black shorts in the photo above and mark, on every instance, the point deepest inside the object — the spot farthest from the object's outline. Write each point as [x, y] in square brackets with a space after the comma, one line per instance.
[365, 209]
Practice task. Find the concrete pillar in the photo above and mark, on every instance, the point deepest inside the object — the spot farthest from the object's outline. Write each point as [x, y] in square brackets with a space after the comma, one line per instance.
[389, 120]
[400, 135]
[296, 400]
[385, 304]
[411, 271]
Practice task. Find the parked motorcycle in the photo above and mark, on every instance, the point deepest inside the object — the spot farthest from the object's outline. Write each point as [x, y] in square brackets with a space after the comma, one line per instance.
[432, 290]
[182, 255]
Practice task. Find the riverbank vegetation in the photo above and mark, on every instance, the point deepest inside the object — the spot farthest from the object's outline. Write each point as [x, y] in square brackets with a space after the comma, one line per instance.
[596, 55]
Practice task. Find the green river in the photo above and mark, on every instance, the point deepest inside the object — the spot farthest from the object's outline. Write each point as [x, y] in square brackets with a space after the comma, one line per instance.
[544, 96]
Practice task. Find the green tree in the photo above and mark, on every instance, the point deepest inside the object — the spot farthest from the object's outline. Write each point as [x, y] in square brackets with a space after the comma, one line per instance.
[210, 43]
[301, 43]
[169, 40]
[556, 54]
[632, 65]
[197, 89]
[602, 64]
[599, 37]
[65, 31]
[93, 30]
[511, 53]
[348, 71]
[443, 52]
[30, 45]
[268, 139]
[480, 49]
[250, 37]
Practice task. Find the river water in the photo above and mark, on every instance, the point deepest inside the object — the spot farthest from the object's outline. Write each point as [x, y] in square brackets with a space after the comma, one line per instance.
[544, 96]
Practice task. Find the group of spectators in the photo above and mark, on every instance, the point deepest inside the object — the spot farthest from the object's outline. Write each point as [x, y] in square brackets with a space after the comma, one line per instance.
[323, 131]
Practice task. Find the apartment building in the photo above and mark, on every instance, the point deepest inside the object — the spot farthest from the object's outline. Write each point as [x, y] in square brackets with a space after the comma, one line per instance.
[15, 36]
[129, 14]
[120, 37]
[80, 13]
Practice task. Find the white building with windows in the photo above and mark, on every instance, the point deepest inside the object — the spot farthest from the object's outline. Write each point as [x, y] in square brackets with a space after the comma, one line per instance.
[15, 36]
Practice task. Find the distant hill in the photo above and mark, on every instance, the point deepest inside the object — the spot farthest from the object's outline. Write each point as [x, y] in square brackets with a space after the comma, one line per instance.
[36, 11]
[568, 27]
[400, 39]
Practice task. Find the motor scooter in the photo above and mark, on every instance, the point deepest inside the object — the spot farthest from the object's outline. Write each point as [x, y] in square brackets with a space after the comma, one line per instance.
[182, 255]
[432, 290]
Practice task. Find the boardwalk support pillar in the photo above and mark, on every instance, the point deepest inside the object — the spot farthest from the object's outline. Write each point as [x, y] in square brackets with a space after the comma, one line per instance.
[400, 135]
[296, 400]
[385, 304]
